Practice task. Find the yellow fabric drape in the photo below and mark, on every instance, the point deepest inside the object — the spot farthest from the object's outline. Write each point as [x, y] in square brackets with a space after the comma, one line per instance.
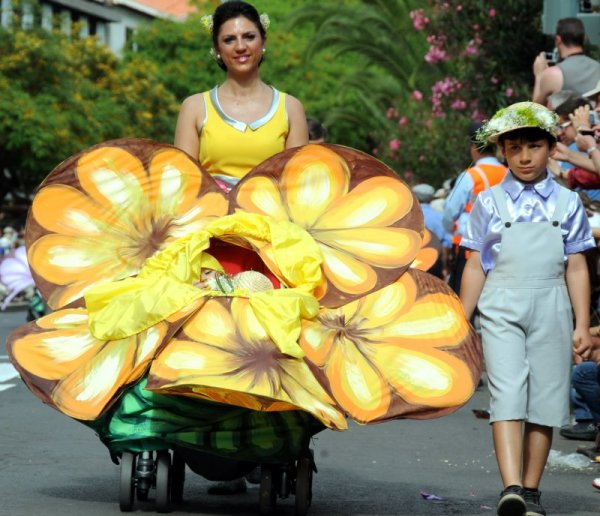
[165, 282]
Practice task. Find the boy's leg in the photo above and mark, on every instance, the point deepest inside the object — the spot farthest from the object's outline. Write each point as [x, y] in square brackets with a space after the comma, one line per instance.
[508, 444]
[536, 447]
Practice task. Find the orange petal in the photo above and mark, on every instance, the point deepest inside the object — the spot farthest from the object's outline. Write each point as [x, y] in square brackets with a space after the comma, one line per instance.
[311, 181]
[347, 273]
[382, 247]
[375, 202]
[260, 194]
[426, 258]
[112, 177]
[356, 386]
[316, 341]
[385, 305]
[213, 325]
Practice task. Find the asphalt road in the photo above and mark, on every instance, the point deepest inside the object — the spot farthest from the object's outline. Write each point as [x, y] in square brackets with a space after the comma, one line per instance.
[53, 466]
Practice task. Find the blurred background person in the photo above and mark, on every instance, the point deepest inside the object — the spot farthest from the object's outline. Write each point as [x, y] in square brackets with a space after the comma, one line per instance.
[574, 70]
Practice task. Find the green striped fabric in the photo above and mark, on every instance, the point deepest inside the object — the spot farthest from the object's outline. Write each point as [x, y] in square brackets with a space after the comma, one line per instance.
[142, 420]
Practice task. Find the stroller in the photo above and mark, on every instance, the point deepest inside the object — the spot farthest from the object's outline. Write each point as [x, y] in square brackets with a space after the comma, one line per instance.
[228, 377]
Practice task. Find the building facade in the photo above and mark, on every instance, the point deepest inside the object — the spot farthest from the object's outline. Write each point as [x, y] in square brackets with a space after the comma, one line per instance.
[112, 21]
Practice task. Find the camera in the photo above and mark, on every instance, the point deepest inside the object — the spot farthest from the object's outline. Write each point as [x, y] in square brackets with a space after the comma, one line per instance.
[552, 57]
[594, 118]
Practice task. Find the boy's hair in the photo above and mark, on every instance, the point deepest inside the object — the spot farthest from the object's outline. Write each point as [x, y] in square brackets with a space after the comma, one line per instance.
[529, 134]
[570, 105]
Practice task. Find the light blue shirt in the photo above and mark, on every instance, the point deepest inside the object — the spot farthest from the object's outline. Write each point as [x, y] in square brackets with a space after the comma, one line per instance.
[459, 197]
[525, 203]
[433, 222]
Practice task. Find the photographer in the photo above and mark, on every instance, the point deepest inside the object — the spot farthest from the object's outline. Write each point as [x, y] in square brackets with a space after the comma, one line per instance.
[574, 71]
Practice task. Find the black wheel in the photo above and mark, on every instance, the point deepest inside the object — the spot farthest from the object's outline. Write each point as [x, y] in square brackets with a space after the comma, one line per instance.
[267, 492]
[127, 484]
[304, 474]
[144, 473]
[177, 478]
[163, 481]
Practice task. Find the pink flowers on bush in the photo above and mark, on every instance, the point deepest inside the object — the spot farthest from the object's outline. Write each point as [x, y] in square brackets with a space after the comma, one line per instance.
[417, 95]
[419, 20]
[435, 55]
[394, 144]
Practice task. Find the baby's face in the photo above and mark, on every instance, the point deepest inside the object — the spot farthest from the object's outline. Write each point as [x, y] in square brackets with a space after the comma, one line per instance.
[207, 274]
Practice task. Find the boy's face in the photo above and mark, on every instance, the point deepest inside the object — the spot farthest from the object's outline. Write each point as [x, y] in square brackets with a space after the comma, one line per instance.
[527, 159]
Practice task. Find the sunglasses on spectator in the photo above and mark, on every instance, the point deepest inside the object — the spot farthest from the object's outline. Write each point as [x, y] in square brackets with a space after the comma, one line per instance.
[564, 125]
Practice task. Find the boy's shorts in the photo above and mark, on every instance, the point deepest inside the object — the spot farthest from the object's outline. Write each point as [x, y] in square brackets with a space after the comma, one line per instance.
[527, 346]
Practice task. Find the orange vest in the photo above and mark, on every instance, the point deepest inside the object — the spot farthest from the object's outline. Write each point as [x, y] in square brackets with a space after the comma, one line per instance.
[484, 176]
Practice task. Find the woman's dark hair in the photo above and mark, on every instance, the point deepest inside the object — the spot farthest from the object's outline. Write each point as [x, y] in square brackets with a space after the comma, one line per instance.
[233, 9]
[529, 134]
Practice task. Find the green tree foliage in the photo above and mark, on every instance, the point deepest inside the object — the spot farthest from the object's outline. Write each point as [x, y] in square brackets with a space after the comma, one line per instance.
[60, 94]
[434, 67]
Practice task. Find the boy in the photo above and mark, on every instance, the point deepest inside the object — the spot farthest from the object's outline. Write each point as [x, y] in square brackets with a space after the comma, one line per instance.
[523, 233]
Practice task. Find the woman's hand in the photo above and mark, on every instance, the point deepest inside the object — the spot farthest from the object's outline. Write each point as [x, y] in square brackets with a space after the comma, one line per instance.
[581, 118]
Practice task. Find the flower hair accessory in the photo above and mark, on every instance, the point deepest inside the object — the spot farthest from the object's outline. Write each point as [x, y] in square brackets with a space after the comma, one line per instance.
[517, 116]
[207, 21]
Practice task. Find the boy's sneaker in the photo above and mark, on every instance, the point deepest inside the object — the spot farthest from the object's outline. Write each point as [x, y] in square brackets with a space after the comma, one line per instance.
[532, 499]
[512, 502]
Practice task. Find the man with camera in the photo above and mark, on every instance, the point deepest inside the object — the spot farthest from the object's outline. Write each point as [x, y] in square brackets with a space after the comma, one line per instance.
[574, 70]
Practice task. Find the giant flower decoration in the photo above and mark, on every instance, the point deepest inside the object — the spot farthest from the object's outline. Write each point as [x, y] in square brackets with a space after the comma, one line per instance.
[223, 354]
[361, 214]
[406, 349]
[430, 252]
[101, 213]
[77, 374]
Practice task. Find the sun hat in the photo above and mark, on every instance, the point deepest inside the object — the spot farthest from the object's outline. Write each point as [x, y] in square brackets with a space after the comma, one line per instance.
[593, 92]
[518, 116]
[423, 192]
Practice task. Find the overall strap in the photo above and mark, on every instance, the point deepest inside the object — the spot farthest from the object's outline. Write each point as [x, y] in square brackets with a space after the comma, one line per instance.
[561, 204]
[500, 199]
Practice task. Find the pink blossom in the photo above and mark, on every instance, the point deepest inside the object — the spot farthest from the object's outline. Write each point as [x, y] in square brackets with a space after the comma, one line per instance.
[391, 113]
[403, 121]
[458, 104]
[420, 21]
[509, 92]
[435, 55]
[459, 7]
[494, 80]
[375, 151]
[478, 116]
[408, 174]
[394, 144]
[471, 49]
[417, 95]
[492, 12]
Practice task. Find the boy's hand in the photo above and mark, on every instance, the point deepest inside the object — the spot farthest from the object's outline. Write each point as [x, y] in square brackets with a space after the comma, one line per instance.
[582, 344]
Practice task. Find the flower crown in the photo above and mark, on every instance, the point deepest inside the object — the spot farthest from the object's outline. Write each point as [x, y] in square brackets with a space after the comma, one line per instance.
[207, 21]
[517, 116]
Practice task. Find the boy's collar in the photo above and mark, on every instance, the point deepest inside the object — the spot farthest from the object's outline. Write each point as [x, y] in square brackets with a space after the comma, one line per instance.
[514, 187]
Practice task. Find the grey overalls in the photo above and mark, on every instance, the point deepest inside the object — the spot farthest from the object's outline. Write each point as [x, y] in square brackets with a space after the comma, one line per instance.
[527, 321]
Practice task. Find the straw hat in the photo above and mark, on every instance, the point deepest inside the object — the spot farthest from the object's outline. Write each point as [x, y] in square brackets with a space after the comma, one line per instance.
[518, 116]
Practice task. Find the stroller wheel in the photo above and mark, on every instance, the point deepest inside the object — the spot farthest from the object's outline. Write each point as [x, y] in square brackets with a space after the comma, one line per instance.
[304, 475]
[144, 474]
[267, 493]
[177, 477]
[163, 481]
[127, 482]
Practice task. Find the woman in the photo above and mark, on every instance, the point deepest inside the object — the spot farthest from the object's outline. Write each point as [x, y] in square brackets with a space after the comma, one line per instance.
[237, 125]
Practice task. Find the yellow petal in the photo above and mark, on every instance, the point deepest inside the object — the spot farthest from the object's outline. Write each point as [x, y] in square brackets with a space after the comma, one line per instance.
[113, 177]
[316, 341]
[85, 393]
[375, 202]
[356, 386]
[212, 324]
[65, 210]
[246, 323]
[311, 181]
[260, 194]
[347, 273]
[432, 378]
[385, 305]
[382, 247]
[63, 319]
[435, 320]
[55, 354]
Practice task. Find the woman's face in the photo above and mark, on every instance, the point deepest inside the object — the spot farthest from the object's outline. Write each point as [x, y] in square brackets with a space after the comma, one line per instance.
[240, 44]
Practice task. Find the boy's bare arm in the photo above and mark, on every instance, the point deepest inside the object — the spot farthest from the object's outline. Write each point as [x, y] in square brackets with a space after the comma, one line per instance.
[471, 284]
[578, 284]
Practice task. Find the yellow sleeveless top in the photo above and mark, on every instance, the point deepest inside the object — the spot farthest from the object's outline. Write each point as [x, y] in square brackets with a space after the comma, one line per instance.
[232, 148]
